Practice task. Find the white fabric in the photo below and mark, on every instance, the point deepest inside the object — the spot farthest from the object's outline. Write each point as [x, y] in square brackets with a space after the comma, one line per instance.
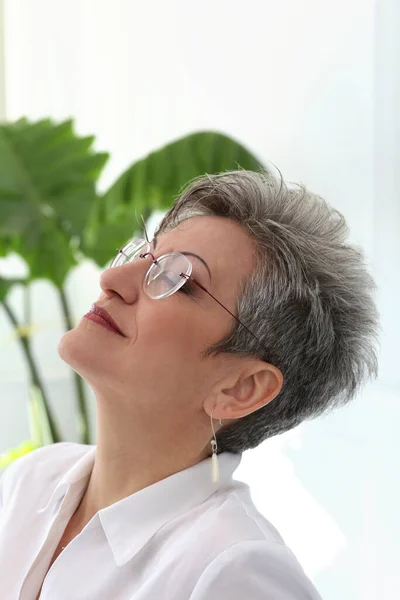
[182, 538]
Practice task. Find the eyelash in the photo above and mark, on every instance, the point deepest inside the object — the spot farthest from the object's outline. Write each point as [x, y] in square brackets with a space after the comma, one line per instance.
[187, 288]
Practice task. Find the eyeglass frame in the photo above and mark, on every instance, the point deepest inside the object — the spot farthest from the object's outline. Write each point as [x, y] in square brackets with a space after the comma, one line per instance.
[188, 278]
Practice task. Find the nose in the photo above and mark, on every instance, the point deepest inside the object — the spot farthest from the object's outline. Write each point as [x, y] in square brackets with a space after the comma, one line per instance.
[125, 281]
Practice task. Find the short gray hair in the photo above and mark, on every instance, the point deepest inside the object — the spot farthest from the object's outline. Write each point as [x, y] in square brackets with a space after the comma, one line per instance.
[309, 299]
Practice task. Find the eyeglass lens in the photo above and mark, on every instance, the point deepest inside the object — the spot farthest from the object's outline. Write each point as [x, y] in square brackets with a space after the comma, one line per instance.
[164, 277]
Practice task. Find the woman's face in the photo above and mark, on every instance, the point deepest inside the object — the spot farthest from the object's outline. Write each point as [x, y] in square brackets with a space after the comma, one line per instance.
[158, 360]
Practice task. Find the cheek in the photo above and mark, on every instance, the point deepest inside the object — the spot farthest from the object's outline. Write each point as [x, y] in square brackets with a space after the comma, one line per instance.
[167, 353]
[185, 328]
[169, 330]
[173, 332]
[171, 337]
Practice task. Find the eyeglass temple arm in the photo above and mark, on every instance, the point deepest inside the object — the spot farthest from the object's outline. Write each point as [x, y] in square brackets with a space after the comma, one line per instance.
[227, 309]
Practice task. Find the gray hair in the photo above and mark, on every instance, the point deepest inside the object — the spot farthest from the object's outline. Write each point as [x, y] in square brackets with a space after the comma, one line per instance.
[309, 299]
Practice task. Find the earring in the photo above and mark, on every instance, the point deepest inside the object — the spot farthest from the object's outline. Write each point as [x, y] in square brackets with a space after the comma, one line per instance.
[214, 458]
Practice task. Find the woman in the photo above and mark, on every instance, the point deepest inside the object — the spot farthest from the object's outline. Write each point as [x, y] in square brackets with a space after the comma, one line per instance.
[246, 314]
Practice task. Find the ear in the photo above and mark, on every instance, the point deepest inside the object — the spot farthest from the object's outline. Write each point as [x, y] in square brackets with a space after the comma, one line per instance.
[255, 386]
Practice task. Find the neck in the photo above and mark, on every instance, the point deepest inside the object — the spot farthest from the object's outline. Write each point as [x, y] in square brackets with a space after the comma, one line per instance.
[130, 458]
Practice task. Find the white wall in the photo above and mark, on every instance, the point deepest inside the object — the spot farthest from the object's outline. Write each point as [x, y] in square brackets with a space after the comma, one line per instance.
[310, 86]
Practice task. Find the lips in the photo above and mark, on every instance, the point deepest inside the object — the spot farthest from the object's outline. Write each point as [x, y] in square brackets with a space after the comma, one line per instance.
[101, 312]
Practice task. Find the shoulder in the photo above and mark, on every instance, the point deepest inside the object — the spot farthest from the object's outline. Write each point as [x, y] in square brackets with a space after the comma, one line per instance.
[246, 557]
[41, 466]
[256, 569]
[238, 515]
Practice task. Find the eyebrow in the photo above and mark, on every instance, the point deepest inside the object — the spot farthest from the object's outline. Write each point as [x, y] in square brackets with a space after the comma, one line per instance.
[187, 253]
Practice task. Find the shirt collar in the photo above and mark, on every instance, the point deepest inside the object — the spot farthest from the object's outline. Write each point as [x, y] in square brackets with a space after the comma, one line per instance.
[129, 523]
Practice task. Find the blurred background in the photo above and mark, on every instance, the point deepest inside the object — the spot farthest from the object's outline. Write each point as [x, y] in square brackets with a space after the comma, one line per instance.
[310, 86]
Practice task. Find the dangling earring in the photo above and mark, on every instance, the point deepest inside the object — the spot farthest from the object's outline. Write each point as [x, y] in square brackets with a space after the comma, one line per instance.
[214, 458]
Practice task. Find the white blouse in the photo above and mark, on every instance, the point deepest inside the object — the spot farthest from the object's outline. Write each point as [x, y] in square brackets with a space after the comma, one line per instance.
[181, 538]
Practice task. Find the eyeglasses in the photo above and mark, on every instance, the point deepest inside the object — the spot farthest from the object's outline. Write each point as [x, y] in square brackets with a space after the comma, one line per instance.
[166, 275]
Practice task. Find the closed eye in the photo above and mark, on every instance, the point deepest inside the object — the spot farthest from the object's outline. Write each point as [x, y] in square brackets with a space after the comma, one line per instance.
[187, 288]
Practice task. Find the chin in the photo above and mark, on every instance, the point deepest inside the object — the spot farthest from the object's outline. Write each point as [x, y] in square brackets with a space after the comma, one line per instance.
[72, 350]
[88, 352]
[81, 351]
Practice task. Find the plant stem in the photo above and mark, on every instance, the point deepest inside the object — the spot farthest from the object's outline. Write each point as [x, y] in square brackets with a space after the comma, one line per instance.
[81, 396]
[34, 374]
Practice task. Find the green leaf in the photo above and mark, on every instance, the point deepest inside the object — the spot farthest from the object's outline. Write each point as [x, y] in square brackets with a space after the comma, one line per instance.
[48, 252]
[108, 239]
[47, 193]
[5, 286]
[154, 182]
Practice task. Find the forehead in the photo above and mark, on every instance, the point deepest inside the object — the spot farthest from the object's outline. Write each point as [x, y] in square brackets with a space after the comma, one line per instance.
[221, 242]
